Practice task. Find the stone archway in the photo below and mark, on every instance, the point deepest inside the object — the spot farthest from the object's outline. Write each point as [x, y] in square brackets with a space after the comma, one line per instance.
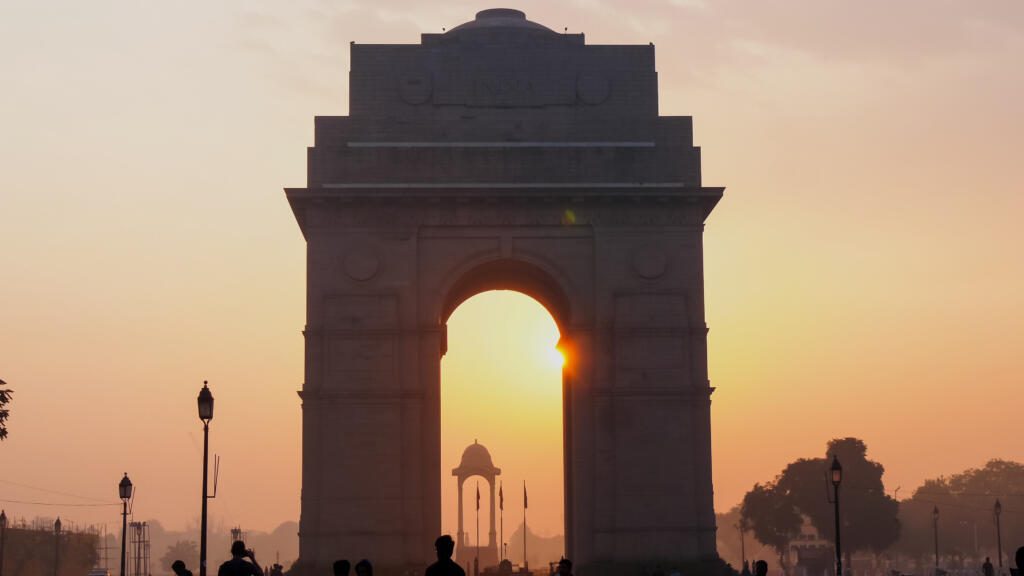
[504, 155]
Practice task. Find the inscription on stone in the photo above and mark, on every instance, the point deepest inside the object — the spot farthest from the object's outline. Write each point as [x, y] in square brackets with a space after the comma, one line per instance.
[365, 363]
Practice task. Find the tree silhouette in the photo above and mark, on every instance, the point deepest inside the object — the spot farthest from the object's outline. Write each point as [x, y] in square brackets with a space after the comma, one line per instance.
[869, 517]
[772, 517]
[5, 398]
[966, 505]
[185, 550]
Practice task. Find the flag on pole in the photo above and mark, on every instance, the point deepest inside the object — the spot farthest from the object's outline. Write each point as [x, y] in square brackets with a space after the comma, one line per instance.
[501, 498]
[477, 495]
[524, 495]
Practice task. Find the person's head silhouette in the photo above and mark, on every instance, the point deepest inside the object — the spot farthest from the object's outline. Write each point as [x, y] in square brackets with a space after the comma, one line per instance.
[1020, 559]
[565, 567]
[238, 549]
[179, 569]
[445, 547]
[341, 567]
[760, 568]
[364, 568]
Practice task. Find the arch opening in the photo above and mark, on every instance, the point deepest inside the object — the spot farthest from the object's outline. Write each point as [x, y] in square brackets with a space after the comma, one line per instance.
[510, 275]
[502, 386]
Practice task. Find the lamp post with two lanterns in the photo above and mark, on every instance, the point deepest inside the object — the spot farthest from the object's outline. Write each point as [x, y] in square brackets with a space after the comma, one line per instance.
[205, 402]
[837, 478]
[124, 490]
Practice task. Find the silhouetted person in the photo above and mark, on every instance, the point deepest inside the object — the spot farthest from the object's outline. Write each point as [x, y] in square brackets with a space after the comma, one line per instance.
[564, 567]
[364, 568]
[746, 568]
[987, 569]
[1020, 561]
[238, 566]
[760, 568]
[445, 566]
[341, 567]
[179, 569]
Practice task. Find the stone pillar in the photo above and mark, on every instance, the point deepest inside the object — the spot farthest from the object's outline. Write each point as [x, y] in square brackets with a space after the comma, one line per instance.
[462, 532]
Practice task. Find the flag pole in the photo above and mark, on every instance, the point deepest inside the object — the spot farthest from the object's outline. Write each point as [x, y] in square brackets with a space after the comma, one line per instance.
[526, 563]
[476, 563]
[501, 507]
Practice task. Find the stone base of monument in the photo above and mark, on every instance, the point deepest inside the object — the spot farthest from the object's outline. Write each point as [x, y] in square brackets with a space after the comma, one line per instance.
[666, 567]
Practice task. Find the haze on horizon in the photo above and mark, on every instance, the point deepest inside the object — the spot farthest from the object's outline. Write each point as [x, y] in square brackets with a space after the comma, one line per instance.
[863, 275]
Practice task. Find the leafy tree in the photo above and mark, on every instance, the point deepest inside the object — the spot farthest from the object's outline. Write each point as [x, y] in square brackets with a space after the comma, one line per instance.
[869, 517]
[772, 517]
[966, 503]
[184, 550]
[5, 398]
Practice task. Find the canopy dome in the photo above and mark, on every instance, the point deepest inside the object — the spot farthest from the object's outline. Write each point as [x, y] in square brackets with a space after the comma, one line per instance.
[476, 460]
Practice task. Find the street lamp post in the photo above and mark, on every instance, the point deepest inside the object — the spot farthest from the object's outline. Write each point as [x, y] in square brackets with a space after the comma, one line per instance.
[3, 538]
[124, 490]
[837, 479]
[935, 530]
[999, 534]
[56, 547]
[205, 402]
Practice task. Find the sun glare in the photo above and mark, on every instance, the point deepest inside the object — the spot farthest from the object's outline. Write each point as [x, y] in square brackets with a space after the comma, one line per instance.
[556, 358]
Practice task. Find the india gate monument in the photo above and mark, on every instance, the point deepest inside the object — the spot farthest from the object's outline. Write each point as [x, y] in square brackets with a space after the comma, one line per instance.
[501, 154]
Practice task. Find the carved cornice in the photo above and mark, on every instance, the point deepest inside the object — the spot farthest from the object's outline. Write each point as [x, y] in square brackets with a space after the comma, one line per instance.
[403, 205]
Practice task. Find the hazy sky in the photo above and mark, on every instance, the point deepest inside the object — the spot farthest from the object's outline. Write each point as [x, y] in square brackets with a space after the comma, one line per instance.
[864, 271]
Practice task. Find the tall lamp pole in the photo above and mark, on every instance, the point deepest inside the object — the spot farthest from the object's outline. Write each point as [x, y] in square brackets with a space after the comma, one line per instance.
[56, 547]
[124, 490]
[999, 534]
[205, 402]
[935, 526]
[3, 537]
[837, 479]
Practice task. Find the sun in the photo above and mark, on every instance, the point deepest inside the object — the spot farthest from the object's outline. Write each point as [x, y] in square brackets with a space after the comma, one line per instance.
[555, 358]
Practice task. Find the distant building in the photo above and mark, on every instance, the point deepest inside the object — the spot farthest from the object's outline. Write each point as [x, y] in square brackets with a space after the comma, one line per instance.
[810, 554]
[32, 551]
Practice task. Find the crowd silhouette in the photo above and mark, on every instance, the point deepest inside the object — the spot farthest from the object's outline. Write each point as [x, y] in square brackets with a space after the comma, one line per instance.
[243, 563]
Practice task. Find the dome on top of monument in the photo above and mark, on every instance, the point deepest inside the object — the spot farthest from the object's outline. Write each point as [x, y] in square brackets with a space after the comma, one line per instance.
[500, 18]
[476, 456]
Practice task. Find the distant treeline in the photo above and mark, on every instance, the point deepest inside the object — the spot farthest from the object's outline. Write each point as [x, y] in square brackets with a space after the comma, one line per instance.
[792, 513]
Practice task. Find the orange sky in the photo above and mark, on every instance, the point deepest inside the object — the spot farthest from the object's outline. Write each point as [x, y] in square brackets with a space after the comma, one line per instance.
[863, 272]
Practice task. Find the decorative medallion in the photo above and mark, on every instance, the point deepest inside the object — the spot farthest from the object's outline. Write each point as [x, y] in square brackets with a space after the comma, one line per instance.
[361, 263]
[649, 263]
[415, 87]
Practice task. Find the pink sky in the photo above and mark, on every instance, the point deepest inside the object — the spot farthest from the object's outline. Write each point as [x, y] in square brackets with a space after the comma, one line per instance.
[864, 271]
